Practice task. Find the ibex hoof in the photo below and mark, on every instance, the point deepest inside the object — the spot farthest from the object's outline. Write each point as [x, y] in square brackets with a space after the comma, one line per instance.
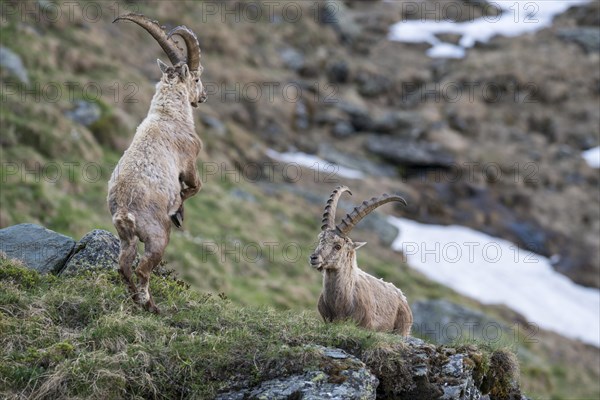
[151, 307]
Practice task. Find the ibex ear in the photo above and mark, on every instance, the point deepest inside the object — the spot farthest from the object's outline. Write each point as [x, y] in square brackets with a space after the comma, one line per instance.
[163, 67]
[185, 71]
[358, 245]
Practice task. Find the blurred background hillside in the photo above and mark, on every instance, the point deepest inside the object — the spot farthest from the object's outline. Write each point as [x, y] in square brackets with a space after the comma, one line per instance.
[308, 95]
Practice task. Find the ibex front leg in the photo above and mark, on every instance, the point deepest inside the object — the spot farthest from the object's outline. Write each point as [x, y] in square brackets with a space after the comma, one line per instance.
[191, 184]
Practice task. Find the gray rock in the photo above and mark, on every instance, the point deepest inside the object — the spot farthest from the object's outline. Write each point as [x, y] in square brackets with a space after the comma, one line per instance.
[11, 61]
[533, 237]
[360, 118]
[369, 167]
[213, 123]
[372, 85]
[336, 14]
[338, 72]
[406, 124]
[454, 366]
[39, 248]
[242, 195]
[98, 249]
[84, 113]
[352, 380]
[292, 58]
[588, 38]
[342, 129]
[409, 153]
[302, 117]
[444, 322]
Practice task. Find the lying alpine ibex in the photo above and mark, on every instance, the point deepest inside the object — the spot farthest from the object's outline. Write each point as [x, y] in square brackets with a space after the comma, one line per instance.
[157, 173]
[348, 292]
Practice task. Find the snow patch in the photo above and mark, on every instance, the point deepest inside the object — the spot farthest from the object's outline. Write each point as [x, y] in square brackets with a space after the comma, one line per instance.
[592, 157]
[496, 271]
[518, 17]
[315, 163]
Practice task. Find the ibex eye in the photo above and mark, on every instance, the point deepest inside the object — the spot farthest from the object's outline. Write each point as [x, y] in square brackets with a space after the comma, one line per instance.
[337, 247]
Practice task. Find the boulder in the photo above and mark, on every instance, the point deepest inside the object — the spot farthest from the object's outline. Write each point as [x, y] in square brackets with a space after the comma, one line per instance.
[39, 248]
[356, 162]
[292, 58]
[214, 123]
[408, 124]
[371, 84]
[360, 118]
[11, 61]
[340, 376]
[98, 249]
[342, 129]
[338, 72]
[84, 112]
[444, 322]
[409, 153]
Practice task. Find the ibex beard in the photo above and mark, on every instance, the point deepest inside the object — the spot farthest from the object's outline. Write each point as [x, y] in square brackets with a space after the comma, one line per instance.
[158, 172]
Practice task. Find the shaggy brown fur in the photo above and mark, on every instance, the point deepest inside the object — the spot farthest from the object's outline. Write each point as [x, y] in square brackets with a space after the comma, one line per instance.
[350, 293]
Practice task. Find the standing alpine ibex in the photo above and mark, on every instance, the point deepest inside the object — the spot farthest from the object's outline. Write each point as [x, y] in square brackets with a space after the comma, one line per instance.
[348, 292]
[157, 173]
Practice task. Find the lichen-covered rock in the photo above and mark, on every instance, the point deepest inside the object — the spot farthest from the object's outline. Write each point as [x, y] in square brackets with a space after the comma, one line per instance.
[420, 370]
[340, 376]
[98, 249]
[39, 248]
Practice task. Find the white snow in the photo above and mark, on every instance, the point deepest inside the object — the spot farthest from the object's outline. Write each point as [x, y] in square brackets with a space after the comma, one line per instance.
[315, 163]
[495, 271]
[518, 17]
[592, 156]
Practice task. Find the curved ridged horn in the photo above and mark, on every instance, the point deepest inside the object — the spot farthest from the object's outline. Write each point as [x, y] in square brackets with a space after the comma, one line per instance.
[350, 221]
[329, 214]
[191, 43]
[169, 46]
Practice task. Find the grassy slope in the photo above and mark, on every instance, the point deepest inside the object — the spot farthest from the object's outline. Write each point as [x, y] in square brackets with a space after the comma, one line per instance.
[58, 335]
[38, 131]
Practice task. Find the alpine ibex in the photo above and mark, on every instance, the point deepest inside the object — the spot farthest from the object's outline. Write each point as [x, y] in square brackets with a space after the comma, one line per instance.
[157, 173]
[348, 292]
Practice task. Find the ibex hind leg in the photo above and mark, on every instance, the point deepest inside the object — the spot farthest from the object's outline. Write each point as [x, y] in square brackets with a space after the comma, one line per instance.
[154, 248]
[128, 248]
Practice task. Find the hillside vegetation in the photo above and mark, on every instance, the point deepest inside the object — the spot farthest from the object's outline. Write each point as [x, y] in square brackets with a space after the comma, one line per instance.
[246, 240]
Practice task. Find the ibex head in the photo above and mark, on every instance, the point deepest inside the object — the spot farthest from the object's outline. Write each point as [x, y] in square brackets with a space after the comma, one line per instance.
[186, 70]
[335, 249]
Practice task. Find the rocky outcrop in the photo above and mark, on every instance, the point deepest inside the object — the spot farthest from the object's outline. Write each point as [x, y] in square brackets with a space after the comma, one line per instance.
[587, 37]
[412, 370]
[409, 153]
[39, 248]
[98, 249]
[340, 377]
